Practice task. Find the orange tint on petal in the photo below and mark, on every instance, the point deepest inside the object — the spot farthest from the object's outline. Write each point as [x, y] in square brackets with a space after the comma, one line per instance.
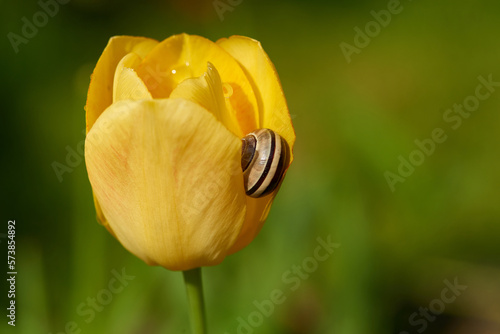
[163, 173]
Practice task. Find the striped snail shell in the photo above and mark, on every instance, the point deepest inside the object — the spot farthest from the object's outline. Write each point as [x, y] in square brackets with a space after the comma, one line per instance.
[265, 156]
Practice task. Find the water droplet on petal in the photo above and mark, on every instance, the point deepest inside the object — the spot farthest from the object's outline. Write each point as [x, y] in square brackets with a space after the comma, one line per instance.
[178, 74]
[227, 89]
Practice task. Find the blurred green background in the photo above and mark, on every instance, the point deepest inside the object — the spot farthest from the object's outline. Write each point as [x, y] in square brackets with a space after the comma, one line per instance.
[399, 250]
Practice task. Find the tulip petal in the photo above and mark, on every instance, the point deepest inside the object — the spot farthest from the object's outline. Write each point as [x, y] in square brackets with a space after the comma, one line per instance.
[168, 179]
[183, 56]
[274, 115]
[196, 90]
[127, 84]
[130, 87]
[207, 91]
[257, 212]
[100, 217]
[100, 94]
[260, 70]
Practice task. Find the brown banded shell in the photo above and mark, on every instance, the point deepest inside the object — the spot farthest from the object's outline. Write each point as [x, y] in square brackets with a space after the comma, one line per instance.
[265, 155]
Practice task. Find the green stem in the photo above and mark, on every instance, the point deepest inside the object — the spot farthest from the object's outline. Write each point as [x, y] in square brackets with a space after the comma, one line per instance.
[194, 288]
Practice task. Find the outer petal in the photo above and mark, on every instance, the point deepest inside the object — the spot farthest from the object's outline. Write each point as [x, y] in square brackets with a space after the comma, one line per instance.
[100, 94]
[257, 211]
[186, 56]
[100, 217]
[274, 115]
[260, 70]
[163, 173]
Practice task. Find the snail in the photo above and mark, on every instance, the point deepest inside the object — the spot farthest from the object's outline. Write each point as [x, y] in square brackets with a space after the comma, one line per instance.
[265, 156]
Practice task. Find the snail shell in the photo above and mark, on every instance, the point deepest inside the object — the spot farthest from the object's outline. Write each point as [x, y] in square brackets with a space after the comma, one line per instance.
[265, 156]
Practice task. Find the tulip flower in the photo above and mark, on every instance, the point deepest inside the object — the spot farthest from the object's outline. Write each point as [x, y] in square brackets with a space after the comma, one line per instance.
[163, 148]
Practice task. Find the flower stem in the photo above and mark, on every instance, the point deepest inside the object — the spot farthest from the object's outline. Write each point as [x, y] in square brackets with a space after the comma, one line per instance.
[194, 288]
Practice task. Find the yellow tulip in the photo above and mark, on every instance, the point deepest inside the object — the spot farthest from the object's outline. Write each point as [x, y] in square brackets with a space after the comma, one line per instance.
[163, 146]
